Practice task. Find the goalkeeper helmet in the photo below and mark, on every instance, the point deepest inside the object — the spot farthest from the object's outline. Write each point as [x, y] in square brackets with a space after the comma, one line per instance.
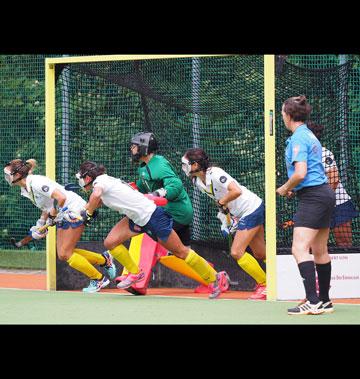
[146, 143]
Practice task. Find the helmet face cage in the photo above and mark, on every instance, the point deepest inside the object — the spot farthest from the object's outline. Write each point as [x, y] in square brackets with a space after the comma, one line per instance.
[146, 143]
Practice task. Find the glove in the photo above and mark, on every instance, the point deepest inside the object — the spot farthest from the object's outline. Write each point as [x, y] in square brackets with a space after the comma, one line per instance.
[40, 222]
[87, 217]
[225, 228]
[36, 234]
[161, 192]
[50, 221]
[223, 209]
[133, 185]
[67, 215]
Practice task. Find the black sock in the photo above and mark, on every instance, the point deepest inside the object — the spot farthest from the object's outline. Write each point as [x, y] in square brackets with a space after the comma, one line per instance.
[324, 277]
[307, 272]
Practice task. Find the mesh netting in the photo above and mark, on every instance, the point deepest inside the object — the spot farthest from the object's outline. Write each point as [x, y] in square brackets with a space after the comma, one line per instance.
[22, 136]
[212, 102]
[329, 92]
[215, 103]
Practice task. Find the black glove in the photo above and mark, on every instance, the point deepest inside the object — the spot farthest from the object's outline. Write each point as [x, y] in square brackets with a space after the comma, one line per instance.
[87, 217]
[222, 208]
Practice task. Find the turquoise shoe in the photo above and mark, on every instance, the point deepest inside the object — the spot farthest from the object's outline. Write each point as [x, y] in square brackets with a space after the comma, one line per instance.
[109, 265]
[96, 285]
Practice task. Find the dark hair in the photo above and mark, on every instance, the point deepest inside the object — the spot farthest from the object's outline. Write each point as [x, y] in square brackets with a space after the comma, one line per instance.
[199, 156]
[297, 108]
[92, 169]
[317, 129]
[19, 166]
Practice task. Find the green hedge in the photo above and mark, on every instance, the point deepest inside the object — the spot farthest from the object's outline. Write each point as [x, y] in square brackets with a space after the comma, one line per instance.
[23, 259]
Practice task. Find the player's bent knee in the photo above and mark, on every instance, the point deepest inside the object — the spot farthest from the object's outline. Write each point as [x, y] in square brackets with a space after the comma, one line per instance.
[109, 243]
[182, 254]
[259, 256]
[64, 255]
[237, 254]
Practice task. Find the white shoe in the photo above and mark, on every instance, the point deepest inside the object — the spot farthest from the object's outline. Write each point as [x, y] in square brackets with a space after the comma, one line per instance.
[307, 309]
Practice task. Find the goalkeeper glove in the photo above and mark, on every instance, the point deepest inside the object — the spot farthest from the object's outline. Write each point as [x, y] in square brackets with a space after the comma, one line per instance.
[161, 192]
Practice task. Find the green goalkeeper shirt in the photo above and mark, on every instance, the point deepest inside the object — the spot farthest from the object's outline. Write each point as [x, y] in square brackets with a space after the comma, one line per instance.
[159, 173]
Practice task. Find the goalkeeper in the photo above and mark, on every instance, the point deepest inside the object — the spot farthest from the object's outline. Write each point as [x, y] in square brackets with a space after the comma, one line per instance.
[158, 177]
[240, 210]
[44, 193]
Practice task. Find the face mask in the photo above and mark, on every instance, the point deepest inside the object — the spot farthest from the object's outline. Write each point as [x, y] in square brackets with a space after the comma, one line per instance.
[135, 156]
[8, 177]
[81, 180]
[185, 166]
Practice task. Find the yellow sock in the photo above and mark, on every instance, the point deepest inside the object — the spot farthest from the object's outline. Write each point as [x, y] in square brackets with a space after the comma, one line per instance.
[81, 264]
[199, 265]
[93, 258]
[121, 253]
[251, 266]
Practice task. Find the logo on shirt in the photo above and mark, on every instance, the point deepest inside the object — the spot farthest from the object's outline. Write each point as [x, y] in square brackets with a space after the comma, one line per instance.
[315, 149]
[223, 179]
[45, 188]
[296, 150]
[328, 160]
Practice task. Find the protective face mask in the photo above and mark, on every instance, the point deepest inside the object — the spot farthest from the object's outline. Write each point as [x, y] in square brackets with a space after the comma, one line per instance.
[81, 180]
[185, 166]
[135, 157]
[8, 177]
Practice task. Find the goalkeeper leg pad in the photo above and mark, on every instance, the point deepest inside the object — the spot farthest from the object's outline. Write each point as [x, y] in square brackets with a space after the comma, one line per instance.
[180, 266]
[145, 252]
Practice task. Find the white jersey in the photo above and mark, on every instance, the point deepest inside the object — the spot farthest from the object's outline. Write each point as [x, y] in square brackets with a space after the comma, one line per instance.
[216, 187]
[39, 189]
[330, 163]
[121, 197]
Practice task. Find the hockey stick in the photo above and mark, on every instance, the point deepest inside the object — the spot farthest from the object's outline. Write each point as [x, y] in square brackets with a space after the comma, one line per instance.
[26, 240]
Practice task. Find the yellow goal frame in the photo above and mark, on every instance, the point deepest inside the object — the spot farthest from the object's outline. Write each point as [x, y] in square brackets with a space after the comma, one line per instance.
[269, 132]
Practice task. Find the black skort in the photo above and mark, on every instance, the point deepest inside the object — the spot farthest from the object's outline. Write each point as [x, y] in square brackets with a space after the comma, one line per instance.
[315, 208]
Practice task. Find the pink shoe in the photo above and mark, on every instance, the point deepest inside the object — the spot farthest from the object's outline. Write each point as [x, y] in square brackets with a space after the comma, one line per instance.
[260, 293]
[221, 282]
[120, 278]
[203, 289]
[130, 280]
